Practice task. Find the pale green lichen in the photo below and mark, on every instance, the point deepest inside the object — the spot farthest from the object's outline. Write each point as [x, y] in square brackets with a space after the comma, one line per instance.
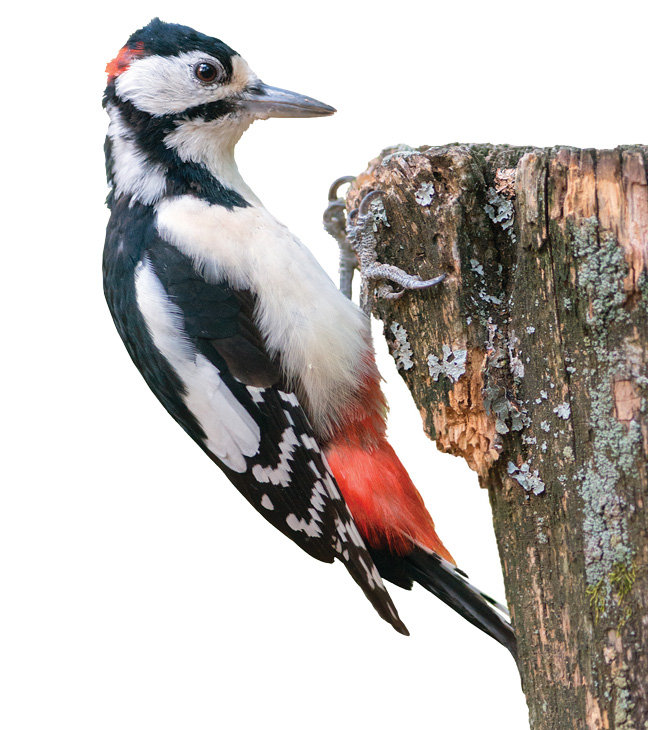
[516, 365]
[526, 478]
[483, 294]
[424, 194]
[402, 349]
[452, 364]
[378, 214]
[601, 269]
[614, 451]
[402, 151]
[476, 267]
[500, 211]
[563, 411]
[497, 403]
[541, 537]
[624, 704]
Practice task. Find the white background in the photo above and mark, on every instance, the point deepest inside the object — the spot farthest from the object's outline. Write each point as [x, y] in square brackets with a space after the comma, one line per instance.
[139, 590]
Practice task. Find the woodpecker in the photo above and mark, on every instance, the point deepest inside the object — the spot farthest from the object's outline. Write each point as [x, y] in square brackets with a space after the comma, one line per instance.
[240, 333]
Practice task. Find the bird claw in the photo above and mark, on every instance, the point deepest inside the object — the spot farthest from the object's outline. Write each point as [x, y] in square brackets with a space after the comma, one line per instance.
[409, 282]
[335, 224]
[361, 228]
[356, 239]
[337, 184]
[363, 209]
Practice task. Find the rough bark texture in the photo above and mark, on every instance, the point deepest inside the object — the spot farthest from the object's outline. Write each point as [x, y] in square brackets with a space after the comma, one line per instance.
[531, 361]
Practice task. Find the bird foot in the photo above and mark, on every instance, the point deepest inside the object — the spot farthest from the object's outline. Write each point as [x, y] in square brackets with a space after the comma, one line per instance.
[362, 225]
[335, 225]
[355, 236]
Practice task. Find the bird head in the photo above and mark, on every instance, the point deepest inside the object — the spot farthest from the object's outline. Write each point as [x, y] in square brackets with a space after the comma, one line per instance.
[169, 70]
[177, 98]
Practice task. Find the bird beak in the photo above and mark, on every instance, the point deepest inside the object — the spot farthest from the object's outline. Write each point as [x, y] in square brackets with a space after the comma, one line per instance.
[263, 101]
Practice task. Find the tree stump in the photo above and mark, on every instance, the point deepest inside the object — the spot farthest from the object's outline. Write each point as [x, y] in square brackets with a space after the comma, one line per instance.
[530, 361]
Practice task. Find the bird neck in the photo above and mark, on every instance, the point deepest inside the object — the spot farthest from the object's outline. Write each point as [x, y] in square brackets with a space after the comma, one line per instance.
[148, 158]
[211, 145]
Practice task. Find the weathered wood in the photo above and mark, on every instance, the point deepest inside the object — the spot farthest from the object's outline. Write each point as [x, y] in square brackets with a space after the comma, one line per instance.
[531, 362]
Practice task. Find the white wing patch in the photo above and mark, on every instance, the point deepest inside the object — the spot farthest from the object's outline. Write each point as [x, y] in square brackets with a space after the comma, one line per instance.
[231, 432]
[311, 528]
[266, 502]
[310, 443]
[256, 393]
[318, 506]
[289, 398]
[281, 474]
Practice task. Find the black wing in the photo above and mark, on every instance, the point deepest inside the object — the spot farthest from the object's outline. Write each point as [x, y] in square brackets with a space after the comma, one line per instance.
[286, 477]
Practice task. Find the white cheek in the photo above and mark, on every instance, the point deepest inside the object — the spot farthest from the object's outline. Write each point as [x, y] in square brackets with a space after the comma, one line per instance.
[159, 85]
[162, 85]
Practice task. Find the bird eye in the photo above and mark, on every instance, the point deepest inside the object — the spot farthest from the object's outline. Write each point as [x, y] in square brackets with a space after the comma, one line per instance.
[206, 72]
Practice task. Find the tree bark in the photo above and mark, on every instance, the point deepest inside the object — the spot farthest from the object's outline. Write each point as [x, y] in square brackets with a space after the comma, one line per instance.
[531, 362]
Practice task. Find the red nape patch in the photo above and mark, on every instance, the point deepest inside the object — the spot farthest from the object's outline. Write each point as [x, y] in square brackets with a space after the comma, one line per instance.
[123, 60]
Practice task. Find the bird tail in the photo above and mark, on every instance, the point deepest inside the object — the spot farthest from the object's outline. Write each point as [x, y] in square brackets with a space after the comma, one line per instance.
[385, 504]
[451, 585]
[394, 522]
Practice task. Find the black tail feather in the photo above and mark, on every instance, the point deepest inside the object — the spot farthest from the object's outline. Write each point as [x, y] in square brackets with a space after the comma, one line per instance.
[450, 585]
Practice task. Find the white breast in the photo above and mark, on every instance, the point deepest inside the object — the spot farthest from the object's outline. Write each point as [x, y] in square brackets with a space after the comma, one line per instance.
[321, 337]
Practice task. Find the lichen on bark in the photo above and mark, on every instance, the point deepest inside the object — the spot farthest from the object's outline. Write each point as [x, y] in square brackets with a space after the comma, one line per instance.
[531, 362]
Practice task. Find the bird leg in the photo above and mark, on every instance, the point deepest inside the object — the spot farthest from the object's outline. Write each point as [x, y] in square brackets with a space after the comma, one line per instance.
[335, 225]
[356, 240]
[361, 229]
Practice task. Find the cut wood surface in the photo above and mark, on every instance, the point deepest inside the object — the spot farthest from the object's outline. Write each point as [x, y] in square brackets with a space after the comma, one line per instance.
[531, 362]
